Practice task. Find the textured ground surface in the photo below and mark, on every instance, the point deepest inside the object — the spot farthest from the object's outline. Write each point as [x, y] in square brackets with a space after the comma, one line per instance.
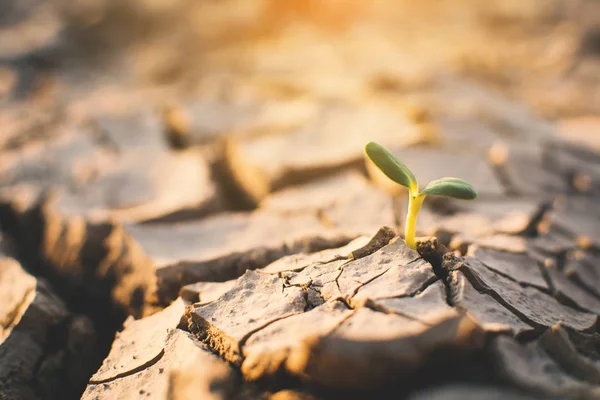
[186, 210]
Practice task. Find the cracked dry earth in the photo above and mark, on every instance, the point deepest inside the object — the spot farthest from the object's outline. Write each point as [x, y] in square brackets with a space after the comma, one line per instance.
[282, 303]
[237, 245]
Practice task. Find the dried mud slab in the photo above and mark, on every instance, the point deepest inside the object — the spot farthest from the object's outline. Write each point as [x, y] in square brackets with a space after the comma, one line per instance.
[473, 221]
[550, 245]
[492, 315]
[499, 242]
[511, 160]
[358, 248]
[208, 377]
[579, 166]
[344, 278]
[45, 350]
[565, 350]
[205, 292]
[150, 358]
[389, 259]
[345, 201]
[186, 369]
[298, 262]
[209, 118]
[518, 267]
[380, 349]
[267, 351]
[404, 279]
[289, 345]
[532, 305]
[261, 164]
[531, 368]
[461, 225]
[274, 326]
[467, 100]
[576, 220]
[431, 304]
[256, 301]
[510, 215]
[570, 292]
[457, 126]
[296, 324]
[141, 343]
[307, 330]
[224, 246]
[580, 266]
[115, 168]
[427, 306]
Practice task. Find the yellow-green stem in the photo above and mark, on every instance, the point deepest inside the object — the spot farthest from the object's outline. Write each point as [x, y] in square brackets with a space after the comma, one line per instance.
[414, 206]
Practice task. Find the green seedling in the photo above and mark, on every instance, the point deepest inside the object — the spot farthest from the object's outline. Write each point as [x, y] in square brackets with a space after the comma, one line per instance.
[399, 173]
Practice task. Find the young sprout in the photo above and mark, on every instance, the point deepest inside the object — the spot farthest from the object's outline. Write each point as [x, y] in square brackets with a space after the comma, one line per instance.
[399, 173]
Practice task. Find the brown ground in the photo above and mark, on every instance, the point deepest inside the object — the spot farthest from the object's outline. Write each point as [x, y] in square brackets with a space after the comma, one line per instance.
[190, 174]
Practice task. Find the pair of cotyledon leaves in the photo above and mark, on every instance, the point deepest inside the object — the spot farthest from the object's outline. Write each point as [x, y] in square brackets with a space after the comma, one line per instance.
[399, 173]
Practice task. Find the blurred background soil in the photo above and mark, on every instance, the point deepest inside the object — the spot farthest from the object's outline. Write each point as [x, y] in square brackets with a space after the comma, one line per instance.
[89, 56]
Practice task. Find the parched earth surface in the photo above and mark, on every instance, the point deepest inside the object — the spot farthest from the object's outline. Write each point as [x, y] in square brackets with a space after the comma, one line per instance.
[186, 211]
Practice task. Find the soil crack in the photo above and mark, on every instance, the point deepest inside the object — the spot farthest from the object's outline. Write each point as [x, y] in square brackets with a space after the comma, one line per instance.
[522, 284]
[430, 281]
[480, 287]
[131, 371]
[357, 288]
[248, 335]
[445, 266]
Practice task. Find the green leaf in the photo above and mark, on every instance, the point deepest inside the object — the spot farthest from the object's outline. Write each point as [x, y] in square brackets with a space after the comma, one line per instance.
[391, 166]
[450, 187]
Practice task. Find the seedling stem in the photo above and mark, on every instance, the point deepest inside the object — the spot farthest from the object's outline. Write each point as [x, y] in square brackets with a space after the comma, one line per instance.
[414, 206]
